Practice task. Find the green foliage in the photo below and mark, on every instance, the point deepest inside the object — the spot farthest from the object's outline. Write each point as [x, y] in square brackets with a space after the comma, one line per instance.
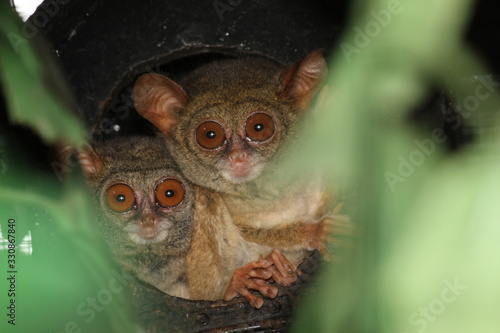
[62, 276]
[425, 256]
[32, 85]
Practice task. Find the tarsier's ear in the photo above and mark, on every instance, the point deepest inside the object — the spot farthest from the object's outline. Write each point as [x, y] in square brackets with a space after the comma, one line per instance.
[90, 162]
[302, 81]
[158, 99]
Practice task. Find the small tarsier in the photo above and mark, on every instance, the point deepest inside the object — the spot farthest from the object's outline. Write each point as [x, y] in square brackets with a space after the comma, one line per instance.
[146, 212]
[145, 208]
[229, 124]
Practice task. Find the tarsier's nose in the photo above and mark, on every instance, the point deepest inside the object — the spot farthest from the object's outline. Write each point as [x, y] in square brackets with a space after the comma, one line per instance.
[148, 221]
[238, 156]
[148, 228]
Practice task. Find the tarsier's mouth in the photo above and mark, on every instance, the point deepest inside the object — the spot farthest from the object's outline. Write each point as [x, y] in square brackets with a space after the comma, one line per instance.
[148, 235]
[149, 232]
[241, 171]
[238, 175]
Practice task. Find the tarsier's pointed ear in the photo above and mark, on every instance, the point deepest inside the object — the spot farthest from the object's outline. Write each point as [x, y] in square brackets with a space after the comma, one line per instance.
[90, 162]
[302, 81]
[158, 99]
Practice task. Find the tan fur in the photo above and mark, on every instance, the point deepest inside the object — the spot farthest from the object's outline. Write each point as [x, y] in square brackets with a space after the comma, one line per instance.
[268, 210]
[294, 223]
[213, 254]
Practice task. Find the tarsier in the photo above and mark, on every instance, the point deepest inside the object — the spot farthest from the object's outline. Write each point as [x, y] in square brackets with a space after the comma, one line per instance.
[229, 124]
[145, 208]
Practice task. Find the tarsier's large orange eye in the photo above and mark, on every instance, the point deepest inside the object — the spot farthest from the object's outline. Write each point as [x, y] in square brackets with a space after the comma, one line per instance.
[210, 135]
[120, 198]
[260, 127]
[169, 193]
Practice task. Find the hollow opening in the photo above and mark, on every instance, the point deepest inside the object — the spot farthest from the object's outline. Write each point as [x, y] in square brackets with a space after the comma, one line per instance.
[119, 117]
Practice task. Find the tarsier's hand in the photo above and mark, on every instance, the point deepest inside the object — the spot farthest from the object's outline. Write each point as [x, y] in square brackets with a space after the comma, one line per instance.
[323, 232]
[257, 274]
[329, 232]
[320, 234]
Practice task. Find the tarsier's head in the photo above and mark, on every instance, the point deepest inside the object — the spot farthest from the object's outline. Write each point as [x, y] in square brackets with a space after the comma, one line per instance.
[141, 194]
[227, 121]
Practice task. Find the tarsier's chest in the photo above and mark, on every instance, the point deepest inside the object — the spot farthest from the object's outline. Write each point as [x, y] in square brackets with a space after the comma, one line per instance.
[304, 204]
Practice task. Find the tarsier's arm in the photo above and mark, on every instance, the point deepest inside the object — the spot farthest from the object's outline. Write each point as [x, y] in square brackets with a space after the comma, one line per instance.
[315, 235]
[311, 235]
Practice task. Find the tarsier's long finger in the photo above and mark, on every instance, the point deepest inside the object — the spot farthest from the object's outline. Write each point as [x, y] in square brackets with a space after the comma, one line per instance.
[256, 269]
[261, 263]
[284, 272]
[254, 300]
[260, 273]
[252, 276]
[284, 280]
[241, 287]
[281, 262]
[262, 287]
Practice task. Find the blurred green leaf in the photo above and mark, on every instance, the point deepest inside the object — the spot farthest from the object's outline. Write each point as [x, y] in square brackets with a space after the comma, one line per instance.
[424, 259]
[69, 279]
[65, 279]
[35, 95]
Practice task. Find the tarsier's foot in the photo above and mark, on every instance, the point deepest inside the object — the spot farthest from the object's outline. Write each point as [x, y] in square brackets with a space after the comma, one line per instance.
[252, 276]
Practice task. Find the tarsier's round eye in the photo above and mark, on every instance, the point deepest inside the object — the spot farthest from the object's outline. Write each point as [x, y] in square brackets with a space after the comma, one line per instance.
[259, 127]
[169, 193]
[210, 135]
[120, 198]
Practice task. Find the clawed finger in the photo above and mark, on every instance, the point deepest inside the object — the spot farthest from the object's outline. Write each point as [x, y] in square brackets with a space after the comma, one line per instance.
[283, 271]
[255, 301]
[252, 276]
[260, 273]
[241, 287]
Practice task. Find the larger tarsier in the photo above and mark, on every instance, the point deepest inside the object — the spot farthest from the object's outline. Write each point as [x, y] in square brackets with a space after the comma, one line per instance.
[241, 222]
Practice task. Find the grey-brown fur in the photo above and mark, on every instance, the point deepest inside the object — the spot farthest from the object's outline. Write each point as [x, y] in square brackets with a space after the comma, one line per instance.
[141, 163]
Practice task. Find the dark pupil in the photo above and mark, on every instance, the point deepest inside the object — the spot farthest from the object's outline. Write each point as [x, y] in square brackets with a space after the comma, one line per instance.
[121, 198]
[211, 135]
[258, 127]
[169, 193]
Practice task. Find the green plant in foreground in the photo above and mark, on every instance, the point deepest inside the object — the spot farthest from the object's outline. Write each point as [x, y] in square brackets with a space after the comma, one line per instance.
[424, 259]
[61, 278]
